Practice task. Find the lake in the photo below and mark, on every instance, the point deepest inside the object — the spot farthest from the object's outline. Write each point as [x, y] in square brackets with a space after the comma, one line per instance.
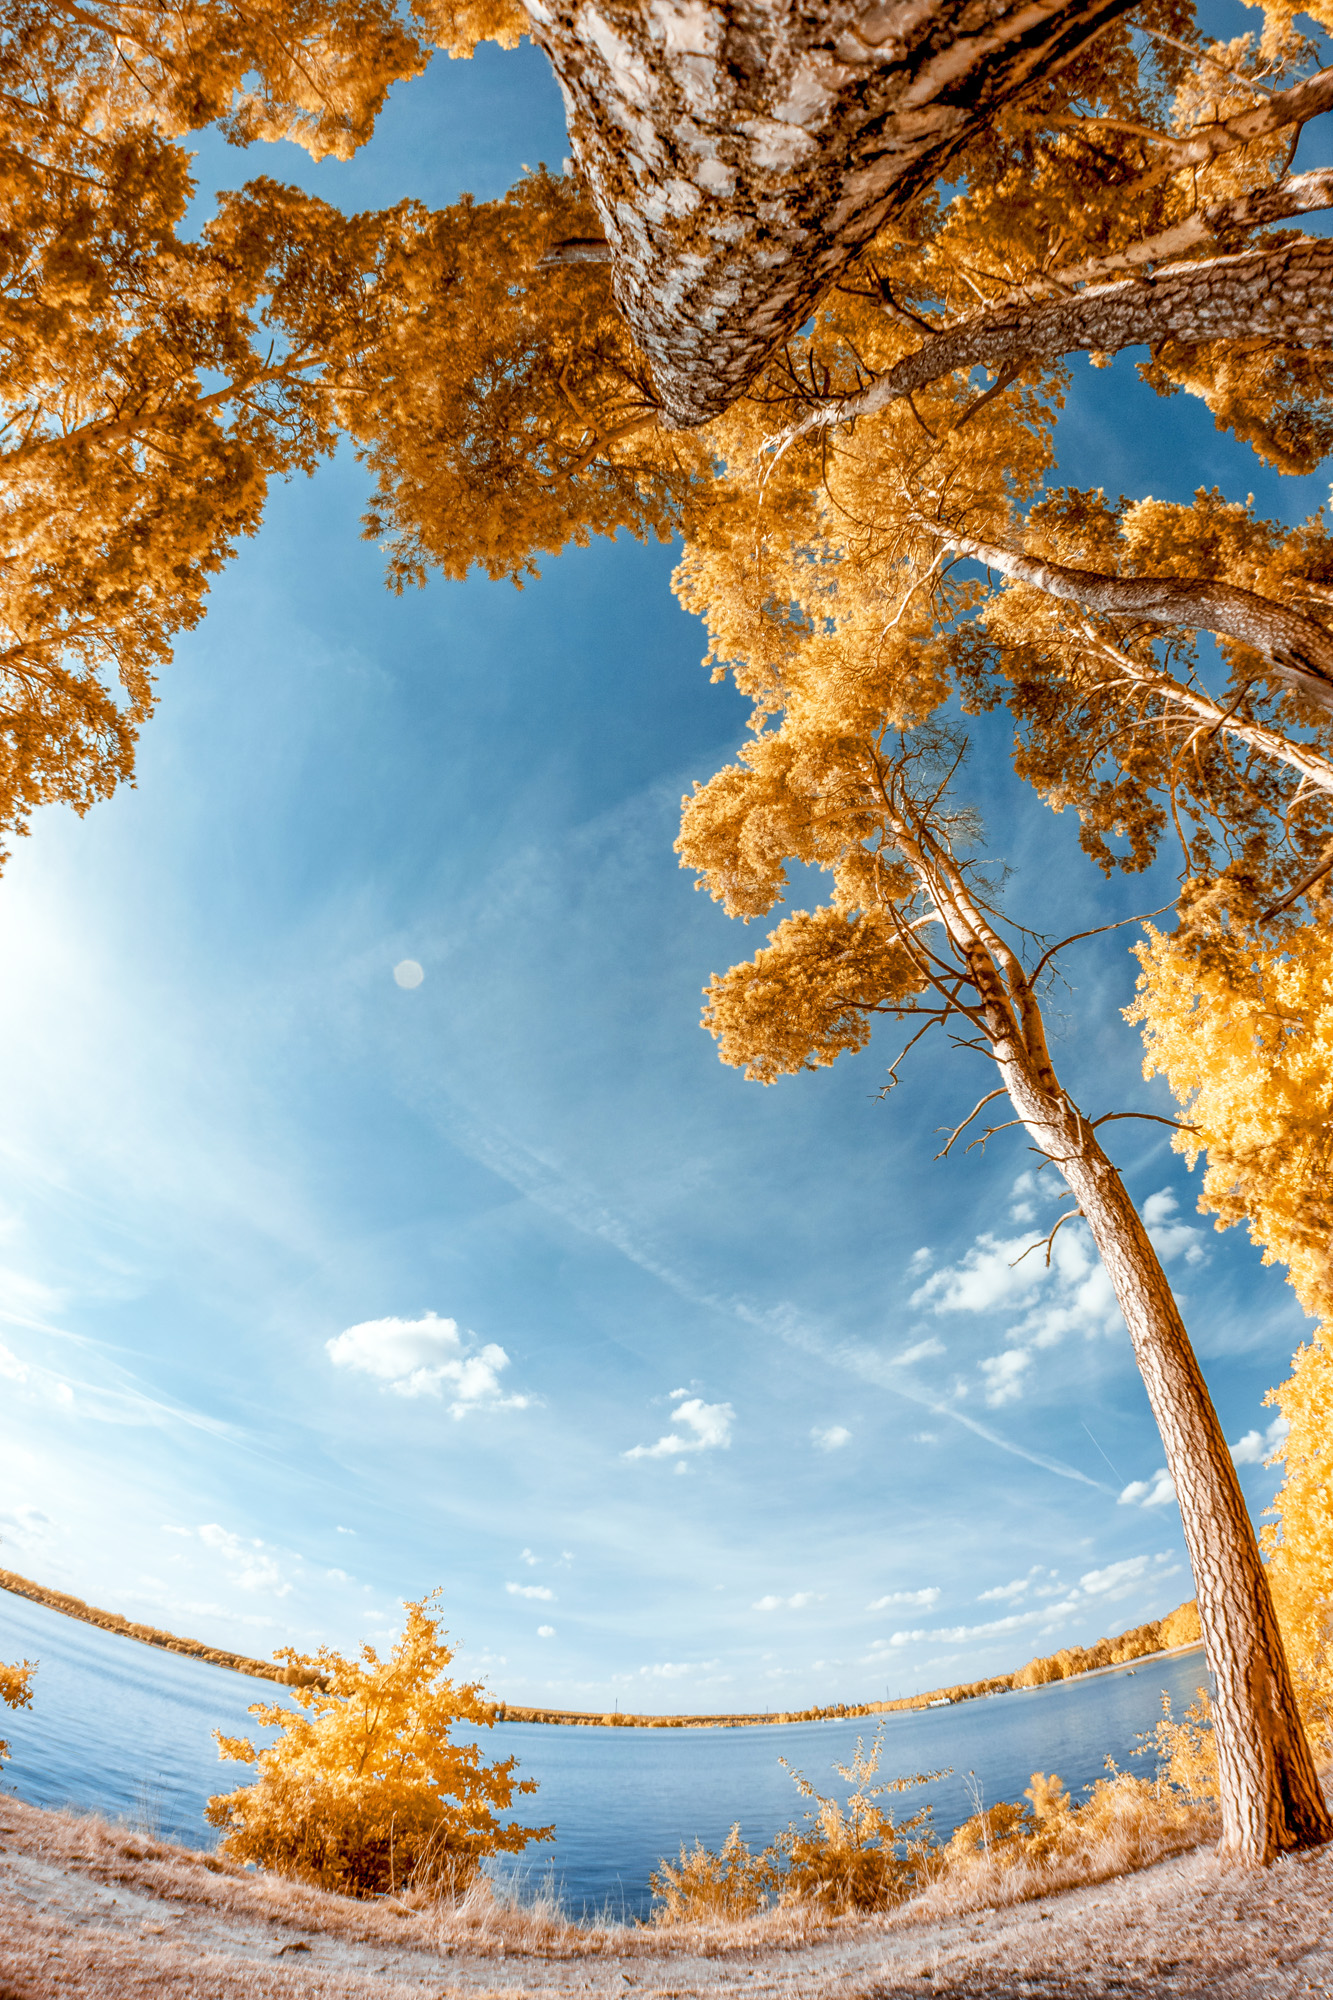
[124, 1730]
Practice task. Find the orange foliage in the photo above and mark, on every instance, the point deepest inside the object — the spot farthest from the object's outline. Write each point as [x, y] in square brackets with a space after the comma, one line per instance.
[364, 1791]
[15, 1691]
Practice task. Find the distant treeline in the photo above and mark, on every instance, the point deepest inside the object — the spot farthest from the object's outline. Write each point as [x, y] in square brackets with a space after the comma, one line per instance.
[1179, 1628]
[148, 1635]
[1160, 1635]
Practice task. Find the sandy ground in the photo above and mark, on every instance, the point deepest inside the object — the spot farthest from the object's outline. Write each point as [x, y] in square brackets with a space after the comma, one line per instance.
[106, 1914]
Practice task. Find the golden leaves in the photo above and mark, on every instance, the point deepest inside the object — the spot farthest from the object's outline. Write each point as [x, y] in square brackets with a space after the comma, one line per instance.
[364, 1791]
[806, 998]
[1241, 1026]
[502, 408]
[15, 1691]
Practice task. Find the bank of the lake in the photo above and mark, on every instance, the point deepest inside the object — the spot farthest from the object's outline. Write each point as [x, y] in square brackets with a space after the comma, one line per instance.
[126, 1731]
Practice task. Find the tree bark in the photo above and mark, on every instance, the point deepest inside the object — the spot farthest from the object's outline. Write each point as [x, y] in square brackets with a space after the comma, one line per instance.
[1283, 296]
[1296, 106]
[740, 155]
[1271, 1799]
[1297, 194]
[1209, 715]
[1300, 651]
[1270, 1793]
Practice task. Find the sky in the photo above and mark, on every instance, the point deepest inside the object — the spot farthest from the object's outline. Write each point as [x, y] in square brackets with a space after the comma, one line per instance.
[376, 1218]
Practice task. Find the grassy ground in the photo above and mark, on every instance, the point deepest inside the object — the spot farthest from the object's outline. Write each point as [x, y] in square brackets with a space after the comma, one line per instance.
[102, 1913]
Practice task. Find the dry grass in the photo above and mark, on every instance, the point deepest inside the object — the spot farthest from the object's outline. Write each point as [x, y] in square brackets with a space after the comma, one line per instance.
[100, 1913]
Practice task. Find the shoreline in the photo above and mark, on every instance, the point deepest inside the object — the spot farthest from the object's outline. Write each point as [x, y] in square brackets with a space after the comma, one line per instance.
[1139, 1641]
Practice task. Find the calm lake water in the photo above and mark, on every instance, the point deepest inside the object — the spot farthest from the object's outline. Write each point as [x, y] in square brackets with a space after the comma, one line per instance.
[124, 1730]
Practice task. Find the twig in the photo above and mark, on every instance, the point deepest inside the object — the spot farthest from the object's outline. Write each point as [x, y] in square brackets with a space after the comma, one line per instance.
[959, 1129]
[1294, 895]
[991, 1130]
[1078, 936]
[1068, 1216]
[1151, 1116]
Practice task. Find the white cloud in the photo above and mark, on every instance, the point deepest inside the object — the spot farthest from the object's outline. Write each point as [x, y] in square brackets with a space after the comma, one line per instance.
[953, 1634]
[1004, 1376]
[920, 1260]
[11, 1367]
[1095, 1588]
[526, 1556]
[797, 1602]
[1168, 1237]
[832, 1439]
[1069, 1294]
[1116, 1579]
[1256, 1446]
[426, 1357]
[707, 1428]
[926, 1599]
[922, 1351]
[537, 1590]
[250, 1564]
[987, 1276]
[546, 1631]
[1154, 1492]
[670, 1670]
[1006, 1592]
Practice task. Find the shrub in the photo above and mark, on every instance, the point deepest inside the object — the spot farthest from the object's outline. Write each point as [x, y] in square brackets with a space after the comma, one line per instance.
[844, 1857]
[15, 1691]
[364, 1792]
[856, 1857]
[714, 1888]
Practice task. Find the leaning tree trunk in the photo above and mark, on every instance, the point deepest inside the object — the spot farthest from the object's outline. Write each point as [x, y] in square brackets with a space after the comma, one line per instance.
[740, 155]
[1271, 1799]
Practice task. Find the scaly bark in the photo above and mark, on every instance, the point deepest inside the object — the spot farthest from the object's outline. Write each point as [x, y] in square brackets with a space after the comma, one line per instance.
[1299, 650]
[1270, 1793]
[1283, 296]
[1297, 194]
[739, 156]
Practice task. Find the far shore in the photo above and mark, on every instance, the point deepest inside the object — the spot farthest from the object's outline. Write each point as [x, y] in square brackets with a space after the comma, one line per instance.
[1142, 1643]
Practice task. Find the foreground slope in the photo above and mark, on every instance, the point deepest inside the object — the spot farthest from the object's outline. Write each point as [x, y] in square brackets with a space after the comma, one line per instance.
[108, 1914]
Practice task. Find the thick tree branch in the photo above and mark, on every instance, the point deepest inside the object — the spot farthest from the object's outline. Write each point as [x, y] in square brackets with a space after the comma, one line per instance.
[1297, 194]
[1301, 652]
[1302, 102]
[1282, 295]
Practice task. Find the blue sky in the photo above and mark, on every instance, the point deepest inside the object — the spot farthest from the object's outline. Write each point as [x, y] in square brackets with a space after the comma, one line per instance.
[320, 1290]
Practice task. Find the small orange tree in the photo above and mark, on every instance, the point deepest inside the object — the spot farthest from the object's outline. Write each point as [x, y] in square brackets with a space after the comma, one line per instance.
[15, 1691]
[364, 1791]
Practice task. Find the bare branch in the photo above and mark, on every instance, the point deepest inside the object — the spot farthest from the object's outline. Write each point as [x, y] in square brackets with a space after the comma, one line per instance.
[1048, 1241]
[1151, 1116]
[1294, 895]
[959, 1129]
[1078, 936]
